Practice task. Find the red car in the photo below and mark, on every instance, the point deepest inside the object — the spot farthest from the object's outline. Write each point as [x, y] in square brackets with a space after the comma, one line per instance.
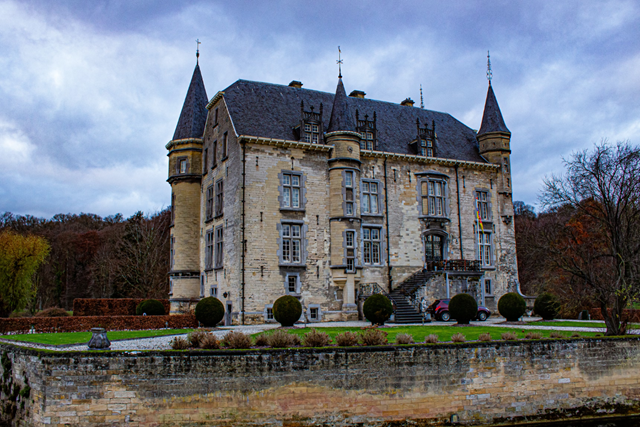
[440, 311]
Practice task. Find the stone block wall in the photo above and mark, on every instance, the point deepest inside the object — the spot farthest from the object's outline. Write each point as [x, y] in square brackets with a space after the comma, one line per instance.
[480, 383]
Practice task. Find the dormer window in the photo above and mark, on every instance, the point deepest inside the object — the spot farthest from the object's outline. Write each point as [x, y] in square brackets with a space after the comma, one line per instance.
[425, 143]
[310, 125]
[367, 128]
[311, 133]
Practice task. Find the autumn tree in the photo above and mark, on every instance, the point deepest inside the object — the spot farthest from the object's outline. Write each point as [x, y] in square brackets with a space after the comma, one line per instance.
[597, 240]
[20, 257]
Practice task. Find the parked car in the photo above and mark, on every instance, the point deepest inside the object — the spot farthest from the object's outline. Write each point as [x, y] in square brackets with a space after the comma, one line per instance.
[440, 311]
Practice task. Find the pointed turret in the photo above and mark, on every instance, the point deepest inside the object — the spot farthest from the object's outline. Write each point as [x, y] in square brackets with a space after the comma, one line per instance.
[341, 119]
[492, 120]
[194, 110]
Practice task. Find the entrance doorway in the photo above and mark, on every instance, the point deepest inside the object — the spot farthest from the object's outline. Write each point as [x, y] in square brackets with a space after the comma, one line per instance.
[433, 247]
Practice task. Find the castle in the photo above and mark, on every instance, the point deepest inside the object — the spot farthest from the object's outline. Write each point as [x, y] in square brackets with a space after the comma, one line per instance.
[279, 190]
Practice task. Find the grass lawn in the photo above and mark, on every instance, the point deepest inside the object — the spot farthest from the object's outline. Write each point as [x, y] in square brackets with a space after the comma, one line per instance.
[576, 324]
[444, 333]
[61, 338]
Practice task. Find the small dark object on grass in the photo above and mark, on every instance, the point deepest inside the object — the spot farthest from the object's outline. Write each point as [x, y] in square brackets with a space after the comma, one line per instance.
[236, 339]
[373, 337]
[512, 306]
[377, 309]
[209, 311]
[314, 338]
[52, 312]
[287, 310]
[575, 335]
[463, 308]
[347, 339]
[150, 307]
[179, 343]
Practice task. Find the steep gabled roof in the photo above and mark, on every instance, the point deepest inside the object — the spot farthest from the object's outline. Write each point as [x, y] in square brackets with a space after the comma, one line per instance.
[194, 110]
[273, 111]
[341, 118]
[492, 120]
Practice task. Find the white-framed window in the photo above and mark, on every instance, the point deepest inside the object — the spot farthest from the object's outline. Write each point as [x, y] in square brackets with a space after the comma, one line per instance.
[484, 248]
[426, 147]
[349, 193]
[268, 313]
[311, 133]
[370, 197]
[208, 251]
[434, 195]
[183, 166]
[482, 199]
[291, 190]
[371, 246]
[366, 143]
[219, 246]
[292, 283]
[488, 287]
[291, 243]
[350, 250]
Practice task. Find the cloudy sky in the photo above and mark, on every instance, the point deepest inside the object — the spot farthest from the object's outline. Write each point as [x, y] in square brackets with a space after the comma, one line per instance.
[91, 91]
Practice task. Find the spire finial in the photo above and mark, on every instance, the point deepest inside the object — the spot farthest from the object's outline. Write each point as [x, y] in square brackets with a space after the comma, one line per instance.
[339, 62]
[197, 49]
[421, 98]
[489, 72]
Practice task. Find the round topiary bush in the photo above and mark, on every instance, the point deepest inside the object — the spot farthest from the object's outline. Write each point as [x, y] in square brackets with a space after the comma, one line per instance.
[463, 308]
[152, 307]
[546, 306]
[287, 310]
[209, 311]
[512, 306]
[377, 309]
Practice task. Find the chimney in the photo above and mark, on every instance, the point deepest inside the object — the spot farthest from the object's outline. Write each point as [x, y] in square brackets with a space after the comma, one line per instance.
[357, 94]
[296, 84]
[407, 102]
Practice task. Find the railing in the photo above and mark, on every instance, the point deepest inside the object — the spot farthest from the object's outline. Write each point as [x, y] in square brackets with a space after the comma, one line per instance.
[463, 265]
[368, 289]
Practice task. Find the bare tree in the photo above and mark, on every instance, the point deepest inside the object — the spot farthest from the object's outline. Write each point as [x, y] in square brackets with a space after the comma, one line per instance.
[598, 240]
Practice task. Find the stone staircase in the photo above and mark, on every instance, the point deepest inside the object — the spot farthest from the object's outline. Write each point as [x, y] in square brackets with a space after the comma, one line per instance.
[405, 312]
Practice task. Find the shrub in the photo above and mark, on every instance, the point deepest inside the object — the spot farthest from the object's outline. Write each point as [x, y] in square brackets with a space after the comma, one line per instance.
[235, 339]
[533, 335]
[314, 338]
[17, 314]
[262, 340]
[179, 343]
[347, 339]
[431, 339]
[404, 339]
[373, 336]
[377, 309]
[151, 307]
[110, 306]
[209, 311]
[458, 337]
[512, 306]
[463, 308]
[509, 336]
[209, 342]
[287, 310]
[484, 337]
[195, 337]
[282, 339]
[546, 306]
[52, 312]
[555, 334]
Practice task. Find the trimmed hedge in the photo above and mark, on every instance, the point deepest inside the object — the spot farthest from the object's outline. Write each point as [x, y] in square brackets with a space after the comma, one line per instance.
[85, 323]
[287, 310]
[150, 307]
[512, 306]
[463, 308]
[377, 309]
[110, 306]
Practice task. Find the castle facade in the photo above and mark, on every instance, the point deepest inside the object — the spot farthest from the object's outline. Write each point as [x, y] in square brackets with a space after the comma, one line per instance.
[280, 190]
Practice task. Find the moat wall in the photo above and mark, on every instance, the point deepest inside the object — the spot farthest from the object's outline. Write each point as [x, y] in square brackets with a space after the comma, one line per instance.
[480, 383]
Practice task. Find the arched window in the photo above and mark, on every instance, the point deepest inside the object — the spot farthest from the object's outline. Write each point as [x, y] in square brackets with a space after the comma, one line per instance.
[434, 247]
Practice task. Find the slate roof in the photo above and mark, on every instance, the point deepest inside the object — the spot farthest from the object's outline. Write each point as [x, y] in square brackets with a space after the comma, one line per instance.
[341, 118]
[492, 120]
[194, 110]
[273, 111]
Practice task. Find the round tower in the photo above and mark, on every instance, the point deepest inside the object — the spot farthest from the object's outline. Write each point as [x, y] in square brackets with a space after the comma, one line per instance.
[185, 174]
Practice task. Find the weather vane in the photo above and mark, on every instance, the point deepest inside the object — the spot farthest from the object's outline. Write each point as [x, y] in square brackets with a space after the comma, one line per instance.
[489, 72]
[198, 43]
[339, 62]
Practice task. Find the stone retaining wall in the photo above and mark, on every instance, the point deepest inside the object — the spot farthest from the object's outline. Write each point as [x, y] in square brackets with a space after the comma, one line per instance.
[479, 383]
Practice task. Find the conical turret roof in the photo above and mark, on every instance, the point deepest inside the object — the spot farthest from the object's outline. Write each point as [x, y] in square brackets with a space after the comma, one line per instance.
[341, 118]
[194, 111]
[492, 120]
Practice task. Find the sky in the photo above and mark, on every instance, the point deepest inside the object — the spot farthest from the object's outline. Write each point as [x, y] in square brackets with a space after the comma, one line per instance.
[91, 91]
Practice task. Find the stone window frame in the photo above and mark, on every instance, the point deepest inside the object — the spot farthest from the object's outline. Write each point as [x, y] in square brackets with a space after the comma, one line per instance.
[182, 160]
[317, 318]
[219, 211]
[445, 244]
[225, 146]
[213, 291]
[368, 194]
[380, 241]
[170, 286]
[214, 154]
[311, 132]
[202, 277]
[354, 247]
[209, 203]
[433, 176]
[481, 246]
[303, 190]
[209, 249]
[173, 208]
[303, 243]
[298, 284]
[218, 261]
[488, 202]
[488, 285]
[265, 314]
[353, 188]
[172, 252]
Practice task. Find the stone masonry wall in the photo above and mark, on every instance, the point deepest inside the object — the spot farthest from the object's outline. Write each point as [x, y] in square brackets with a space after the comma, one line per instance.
[479, 382]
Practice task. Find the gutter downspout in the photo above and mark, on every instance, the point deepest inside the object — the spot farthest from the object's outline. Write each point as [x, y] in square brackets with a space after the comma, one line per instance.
[386, 206]
[459, 220]
[244, 246]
